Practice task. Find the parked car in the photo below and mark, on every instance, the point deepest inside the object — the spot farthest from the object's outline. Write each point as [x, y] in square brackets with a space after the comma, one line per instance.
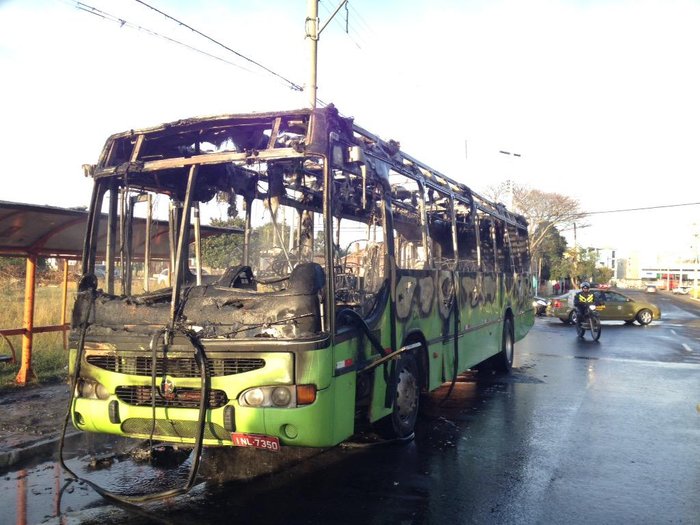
[618, 307]
[540, 304]
[682, 290]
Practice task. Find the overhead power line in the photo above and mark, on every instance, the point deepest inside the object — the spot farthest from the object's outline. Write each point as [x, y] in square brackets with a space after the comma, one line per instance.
[125, 23]
[645, 208]
[258, 64]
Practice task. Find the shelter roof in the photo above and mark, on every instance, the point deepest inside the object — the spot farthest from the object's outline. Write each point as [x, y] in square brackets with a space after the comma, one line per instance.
[49, 231]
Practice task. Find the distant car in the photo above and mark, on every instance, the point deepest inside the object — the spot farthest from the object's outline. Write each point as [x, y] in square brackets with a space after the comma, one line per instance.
[682, 290]
[162, 277]
[101, 271]
[651, 288]
[540, 304]
[618, 307]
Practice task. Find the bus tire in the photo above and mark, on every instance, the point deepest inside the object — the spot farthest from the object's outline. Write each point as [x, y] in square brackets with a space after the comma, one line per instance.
[405, 403]
[503, 361]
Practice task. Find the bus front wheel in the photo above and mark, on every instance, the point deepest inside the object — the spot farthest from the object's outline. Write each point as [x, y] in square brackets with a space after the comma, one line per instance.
[402, 420]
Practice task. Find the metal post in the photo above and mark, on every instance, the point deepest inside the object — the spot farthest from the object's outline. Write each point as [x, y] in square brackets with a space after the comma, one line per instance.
[197, 243]
[312, 35]
[110, 255]
[64, 304]
[179, 265]
[147, 245]
[25, 372]
[246, 233]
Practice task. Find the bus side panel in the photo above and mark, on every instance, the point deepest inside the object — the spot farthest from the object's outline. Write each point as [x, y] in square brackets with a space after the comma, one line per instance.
[418, 314]
[524, 312]
[479, 318]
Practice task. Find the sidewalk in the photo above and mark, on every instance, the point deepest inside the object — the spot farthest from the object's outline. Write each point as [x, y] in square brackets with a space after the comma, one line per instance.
[31, 421]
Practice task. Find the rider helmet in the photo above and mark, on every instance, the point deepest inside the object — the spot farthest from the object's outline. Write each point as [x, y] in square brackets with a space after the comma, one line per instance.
[585, 285]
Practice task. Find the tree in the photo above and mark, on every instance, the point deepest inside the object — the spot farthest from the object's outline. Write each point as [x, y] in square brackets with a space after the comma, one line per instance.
[551, 250]
[577, 264]
[222, 251]
[602, 274]
[15, 267]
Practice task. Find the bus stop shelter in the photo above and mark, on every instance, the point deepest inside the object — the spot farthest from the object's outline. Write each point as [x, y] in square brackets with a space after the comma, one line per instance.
[31, 231]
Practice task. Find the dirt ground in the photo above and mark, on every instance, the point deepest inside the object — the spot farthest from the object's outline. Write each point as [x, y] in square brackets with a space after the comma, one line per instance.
[31, 414]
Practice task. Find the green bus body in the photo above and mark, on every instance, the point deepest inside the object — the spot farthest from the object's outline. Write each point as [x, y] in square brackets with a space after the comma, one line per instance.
[360, 277]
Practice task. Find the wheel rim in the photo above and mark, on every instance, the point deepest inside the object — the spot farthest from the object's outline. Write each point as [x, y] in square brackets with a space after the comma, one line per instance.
[406, 397]
[645, 317]
[508, 346]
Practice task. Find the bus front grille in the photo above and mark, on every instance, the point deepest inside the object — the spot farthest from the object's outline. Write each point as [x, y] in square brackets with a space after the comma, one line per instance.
[173, 428]
[175, 367]
[179, 398]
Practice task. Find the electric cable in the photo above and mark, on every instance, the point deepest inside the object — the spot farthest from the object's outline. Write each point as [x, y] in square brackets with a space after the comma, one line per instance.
[88, 285]
[293, 85]
[643, 209]
[125, 23]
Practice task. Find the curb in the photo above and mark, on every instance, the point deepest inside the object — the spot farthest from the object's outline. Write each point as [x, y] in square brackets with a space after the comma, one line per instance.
[36, 450]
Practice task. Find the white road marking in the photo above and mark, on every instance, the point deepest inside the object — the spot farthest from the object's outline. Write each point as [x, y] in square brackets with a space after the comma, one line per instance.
[687, 348]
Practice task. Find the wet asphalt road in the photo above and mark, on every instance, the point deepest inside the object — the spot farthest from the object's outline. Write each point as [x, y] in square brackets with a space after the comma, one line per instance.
[581, 432]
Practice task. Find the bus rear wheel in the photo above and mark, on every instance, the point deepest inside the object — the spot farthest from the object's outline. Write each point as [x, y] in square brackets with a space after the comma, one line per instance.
[503, 361]
[404, 413]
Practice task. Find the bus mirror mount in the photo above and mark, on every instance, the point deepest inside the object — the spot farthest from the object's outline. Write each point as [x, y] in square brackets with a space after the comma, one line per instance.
[355, 154]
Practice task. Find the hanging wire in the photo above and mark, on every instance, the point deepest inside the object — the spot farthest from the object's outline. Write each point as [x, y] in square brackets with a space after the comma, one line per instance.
[293, 85]
[123, 22]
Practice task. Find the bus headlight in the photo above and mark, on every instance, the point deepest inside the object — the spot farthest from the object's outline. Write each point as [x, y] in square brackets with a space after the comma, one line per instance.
[90, 389]
[281, 396]
[278, 396]
[253, 397]
[101, 392]
[87, 389]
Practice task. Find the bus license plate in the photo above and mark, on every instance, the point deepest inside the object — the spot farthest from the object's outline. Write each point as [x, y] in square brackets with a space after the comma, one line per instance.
[240, 439]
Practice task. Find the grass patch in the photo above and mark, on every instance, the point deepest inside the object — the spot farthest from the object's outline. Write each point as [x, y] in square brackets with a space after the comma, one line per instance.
[49, 359]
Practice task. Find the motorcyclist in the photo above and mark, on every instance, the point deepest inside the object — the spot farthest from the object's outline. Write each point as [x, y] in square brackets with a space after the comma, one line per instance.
[582, 300]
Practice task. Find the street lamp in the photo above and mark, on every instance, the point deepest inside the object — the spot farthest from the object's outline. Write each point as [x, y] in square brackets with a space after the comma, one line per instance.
[509, 181]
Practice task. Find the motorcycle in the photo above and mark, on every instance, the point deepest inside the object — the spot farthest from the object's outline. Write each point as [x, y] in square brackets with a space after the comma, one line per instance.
[540, 305]
[590, 322]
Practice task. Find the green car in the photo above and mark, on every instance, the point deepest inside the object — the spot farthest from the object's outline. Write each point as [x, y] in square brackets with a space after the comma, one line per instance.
[618, 307]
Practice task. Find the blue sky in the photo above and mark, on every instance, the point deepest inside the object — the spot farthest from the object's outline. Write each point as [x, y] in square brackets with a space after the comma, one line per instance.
[600, 98]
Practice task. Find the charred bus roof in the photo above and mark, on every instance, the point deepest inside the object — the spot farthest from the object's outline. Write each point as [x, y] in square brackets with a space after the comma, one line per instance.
[159, 157]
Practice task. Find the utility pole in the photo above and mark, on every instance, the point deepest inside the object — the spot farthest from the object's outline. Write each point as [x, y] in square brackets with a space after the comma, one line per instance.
[313, 33]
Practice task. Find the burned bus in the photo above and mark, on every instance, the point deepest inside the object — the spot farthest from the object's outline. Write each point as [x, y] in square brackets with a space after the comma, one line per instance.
[355, 279]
